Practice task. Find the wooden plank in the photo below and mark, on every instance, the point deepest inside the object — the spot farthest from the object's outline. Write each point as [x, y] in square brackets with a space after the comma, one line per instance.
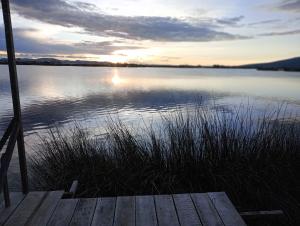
[145, 211]
[206, 210]
[125, 211]
[165, 209]
[104, 212]
[84, 212]
[26, 209]
[226, 210]
[15, 199]
[249, 215]
[43, 214]
[63, 212]
[186, 211]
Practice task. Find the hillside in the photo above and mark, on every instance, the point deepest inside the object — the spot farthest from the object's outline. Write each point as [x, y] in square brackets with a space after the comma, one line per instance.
[292, 64]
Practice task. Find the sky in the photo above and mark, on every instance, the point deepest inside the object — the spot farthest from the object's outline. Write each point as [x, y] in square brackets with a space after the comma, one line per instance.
[231, 32]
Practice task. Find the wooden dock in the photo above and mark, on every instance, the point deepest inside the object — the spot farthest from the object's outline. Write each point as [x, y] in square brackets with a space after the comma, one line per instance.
[48, 208]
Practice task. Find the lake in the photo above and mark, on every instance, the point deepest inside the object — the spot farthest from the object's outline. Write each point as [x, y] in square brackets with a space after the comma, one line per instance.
[59, 96]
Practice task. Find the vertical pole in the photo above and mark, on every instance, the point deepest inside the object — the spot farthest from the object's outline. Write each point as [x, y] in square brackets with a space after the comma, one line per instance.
[15, 91]
[6, 192]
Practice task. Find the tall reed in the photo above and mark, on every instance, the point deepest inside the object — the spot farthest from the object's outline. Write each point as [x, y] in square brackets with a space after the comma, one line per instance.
[255, 160]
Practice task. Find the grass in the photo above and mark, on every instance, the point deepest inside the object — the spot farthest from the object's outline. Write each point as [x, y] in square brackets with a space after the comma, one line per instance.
[255, 161]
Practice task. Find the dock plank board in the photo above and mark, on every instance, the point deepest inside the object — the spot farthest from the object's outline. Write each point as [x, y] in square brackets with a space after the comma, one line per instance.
[206, 210]
[84, 212]
[165, 209]
[125, 211]
[15, 199]
[226, 210]
[26, 209]
[145, 211]
[186, 211]
[63, 212]
[104, 212]
[43, 214]
[48, 208]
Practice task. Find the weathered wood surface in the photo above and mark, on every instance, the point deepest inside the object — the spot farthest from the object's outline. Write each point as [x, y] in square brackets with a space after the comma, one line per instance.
[206, 210]
[187, 214]
[49, 209]
[104, 212]
[15, 200]
[166, 212]
[84, 212]
[125, 211]
[145, 211]
[226, 210]
[262, 214]
[63, 212]
[43, 214]
[26, 209]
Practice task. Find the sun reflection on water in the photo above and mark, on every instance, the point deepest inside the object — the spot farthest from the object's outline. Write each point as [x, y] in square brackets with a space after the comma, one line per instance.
[116, 80]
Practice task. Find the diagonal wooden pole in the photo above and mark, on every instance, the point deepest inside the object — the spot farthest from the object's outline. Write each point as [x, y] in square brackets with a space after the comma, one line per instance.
[15, 91]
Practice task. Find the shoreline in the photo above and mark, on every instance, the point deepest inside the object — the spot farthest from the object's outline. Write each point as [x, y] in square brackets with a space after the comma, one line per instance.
[155, 66]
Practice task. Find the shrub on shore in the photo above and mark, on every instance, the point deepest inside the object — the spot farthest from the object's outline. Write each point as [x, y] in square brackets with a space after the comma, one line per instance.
[255, 161]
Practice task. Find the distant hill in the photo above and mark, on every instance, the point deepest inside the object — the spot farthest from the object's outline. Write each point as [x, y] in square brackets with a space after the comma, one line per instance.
[292, 64]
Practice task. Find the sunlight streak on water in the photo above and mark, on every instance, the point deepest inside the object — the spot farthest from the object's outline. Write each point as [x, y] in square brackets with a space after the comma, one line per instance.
[116, 80]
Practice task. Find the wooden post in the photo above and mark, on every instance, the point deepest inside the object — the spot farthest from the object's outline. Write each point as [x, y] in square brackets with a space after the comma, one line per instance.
[15, 91]
[6, 192]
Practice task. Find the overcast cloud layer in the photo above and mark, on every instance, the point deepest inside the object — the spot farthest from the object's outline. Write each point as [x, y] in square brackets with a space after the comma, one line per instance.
[90, 31]
[290, 5]
[90, 18]
[28, 44]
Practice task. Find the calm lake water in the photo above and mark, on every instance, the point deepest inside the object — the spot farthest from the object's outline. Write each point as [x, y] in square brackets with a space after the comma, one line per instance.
[58, 96]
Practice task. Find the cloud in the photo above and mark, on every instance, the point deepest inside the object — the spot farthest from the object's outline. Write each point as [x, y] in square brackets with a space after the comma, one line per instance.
[290, 5]
[166, 59]
[292, 32]
[26, 44]
[263, 22]
[92, 20]
[230, 21]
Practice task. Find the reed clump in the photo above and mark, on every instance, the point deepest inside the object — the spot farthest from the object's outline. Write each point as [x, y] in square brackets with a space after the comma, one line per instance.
[255, 160]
